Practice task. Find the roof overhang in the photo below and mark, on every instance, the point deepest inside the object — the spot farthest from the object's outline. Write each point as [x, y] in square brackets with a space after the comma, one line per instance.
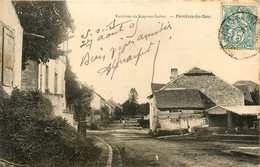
[240, 110]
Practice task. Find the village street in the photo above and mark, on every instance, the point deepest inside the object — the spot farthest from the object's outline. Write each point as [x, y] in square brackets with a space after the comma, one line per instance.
[137, 149]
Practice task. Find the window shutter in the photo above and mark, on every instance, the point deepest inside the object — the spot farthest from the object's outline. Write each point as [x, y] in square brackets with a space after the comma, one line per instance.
[8, 57]
[1, 53]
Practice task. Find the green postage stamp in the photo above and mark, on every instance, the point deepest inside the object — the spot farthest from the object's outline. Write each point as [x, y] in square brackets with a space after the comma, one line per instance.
[239, 31]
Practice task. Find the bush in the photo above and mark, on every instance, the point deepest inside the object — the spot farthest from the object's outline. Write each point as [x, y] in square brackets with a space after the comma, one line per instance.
[169, 132]
[144, 123]
[203, 133]
[31, 135]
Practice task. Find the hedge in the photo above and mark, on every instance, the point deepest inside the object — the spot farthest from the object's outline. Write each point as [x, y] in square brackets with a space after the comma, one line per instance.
[32, 135]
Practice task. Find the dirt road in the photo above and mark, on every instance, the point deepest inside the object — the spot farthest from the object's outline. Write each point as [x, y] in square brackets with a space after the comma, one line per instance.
[141, 150]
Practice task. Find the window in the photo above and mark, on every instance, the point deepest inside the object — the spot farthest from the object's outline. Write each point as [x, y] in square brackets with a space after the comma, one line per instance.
[176, 120]
[47, 79]
[174, 110]
[7, 57]
[40, 66]
[55, 82]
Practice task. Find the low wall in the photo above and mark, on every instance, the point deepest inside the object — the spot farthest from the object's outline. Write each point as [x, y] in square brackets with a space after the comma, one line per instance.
[59, 107]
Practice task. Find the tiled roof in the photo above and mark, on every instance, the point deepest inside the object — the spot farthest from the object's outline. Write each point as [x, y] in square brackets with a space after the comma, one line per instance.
[240, 110]
[216, 89]
[198, 71]
[156, 86]
[243, 82]
[251, 85]
[245, 90]
[179, 99]
[114, 103]
[99, 95]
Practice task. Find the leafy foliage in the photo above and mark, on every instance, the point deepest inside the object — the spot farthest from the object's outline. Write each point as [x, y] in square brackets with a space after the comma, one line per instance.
[129, 108]
[131, 105]
[77, 95]
[31, 135]
[105, 116]
[72, 86]
[118, 113]
[143, 109]
[82, 103]
[133, 96]
[48, 19]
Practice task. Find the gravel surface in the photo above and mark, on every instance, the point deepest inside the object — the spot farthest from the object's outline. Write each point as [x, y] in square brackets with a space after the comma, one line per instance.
[141, 150]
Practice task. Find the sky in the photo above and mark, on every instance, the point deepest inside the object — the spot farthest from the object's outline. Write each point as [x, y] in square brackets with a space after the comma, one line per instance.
[165, 31]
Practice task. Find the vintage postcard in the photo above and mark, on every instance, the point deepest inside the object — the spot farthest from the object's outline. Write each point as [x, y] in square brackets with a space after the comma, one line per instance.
[130, 83]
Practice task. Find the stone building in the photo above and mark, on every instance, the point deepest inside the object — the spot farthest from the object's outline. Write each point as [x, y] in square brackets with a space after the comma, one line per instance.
[181, 103]
[98, 102]
[251, 91]
[11, 40]
[49, 78]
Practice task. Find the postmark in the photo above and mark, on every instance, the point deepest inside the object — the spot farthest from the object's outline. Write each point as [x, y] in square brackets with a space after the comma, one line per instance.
[239, 31]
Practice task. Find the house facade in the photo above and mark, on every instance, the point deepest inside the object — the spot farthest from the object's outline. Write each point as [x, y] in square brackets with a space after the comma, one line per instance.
[98, 102]
[181, 103]
[97, 113]
[114, 107]
[11, 40]
[49, 78]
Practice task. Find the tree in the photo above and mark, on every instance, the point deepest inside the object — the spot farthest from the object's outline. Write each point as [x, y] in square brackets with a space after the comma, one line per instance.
[118, 113]
[131, 105]
[133, 96]
[82, 107]
[82, 104]
[46, 26]
[143, 109]
[79, 96]
[105, 116]
[72, 86]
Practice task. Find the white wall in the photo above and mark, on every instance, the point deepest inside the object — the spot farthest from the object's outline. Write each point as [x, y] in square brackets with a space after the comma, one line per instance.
[153, 114]
[193, 118]
[96, 102]
[9, 18]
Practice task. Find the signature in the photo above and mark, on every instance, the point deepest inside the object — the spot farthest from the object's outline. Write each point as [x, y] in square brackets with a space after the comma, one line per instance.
[113, 66]
[130, 33]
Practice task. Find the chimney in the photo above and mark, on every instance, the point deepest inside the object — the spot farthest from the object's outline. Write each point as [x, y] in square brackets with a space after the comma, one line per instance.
[174, 73]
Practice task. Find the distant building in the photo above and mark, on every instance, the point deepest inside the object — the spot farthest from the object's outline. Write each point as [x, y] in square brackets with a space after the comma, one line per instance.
[11, 42]
[181, 103]
[247, 96]
[113, 107]
[98, 102]
[251, 91]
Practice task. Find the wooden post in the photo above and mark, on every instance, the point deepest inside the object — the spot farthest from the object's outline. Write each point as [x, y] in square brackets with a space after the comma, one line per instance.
[229, 121]
[82, 127]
